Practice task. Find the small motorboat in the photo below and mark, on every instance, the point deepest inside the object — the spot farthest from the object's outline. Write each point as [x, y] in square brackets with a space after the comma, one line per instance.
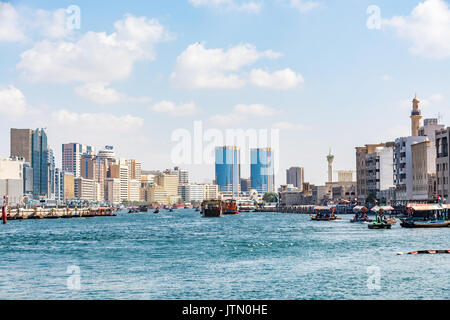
[380, 225]
[156, 211]
[171, 210]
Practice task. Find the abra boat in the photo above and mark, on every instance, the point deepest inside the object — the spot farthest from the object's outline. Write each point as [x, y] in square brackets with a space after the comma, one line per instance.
[212, 209]
[324, 214]
[380, 225]
[425, 224]
[229, 207]
[361, 215]
[430, 215]
[156, 211]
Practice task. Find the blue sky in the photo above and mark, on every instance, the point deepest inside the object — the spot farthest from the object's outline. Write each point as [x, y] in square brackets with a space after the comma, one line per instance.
[313, 69]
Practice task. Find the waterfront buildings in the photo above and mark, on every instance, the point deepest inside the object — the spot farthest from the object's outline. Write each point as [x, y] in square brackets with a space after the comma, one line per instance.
[21, 144]
[11, 180]
[69, 186]
[228, 170]
[262, 170]
[296, 177]
[246, 184]
[443, 164]
[112, 191]
[361, 168]
[40, 158]
[379, 170]
[71, 157]
[423, 170]
[86, 189]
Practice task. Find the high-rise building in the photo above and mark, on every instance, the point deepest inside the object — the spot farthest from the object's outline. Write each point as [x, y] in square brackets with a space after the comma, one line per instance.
[443, 164]
[262, 170]
[39, 163]
[183, 176]
[246, 184]
[59, 185]
[51, 174]
[71, 157]
[21, 144]
[228, 170]
[27, 179]
[86, 189]
[296, 177]
[211, 192]
[169, 182]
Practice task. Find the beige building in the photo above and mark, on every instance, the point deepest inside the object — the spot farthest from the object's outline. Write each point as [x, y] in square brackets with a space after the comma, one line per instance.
[69, 186]
[11, 180]
[169, 182]
[86, 189]
[211, 192]
[361, 174]
[21, 143]
[424, 168]
[345, 176]
[112, 191]
[157, 194]
[443, 164]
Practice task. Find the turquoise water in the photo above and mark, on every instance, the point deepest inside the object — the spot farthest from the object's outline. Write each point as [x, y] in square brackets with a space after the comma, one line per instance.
[180, 255]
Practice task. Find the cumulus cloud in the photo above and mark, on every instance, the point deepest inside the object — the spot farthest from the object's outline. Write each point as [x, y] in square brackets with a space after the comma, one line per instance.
[283, 79]
[304, 6]
[241, 113]
[10, 29]
[230, 5]
[427, 29]
[95, 56]
[199, 67]
[289, 126]
[176, 110]
[98, 92]
[13, 103]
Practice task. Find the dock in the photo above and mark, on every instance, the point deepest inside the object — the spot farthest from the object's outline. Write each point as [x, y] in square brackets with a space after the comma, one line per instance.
[58, 213]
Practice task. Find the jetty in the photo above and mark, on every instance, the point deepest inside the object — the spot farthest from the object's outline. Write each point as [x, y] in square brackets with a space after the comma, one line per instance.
[58, 213]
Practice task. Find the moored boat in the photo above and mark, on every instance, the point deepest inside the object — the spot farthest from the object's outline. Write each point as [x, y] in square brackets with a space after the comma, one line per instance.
[431, 215]
[425, 224]
[212, 209]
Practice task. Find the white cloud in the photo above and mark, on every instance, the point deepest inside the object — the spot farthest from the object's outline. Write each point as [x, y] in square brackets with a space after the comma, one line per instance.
[241, 113]
[198, 67]
[98, 92]
[180, 110]
[283, 79]
[230, 5]
[96, 56]
[427, 29]
[289, 126]
[10, 29]
[304, 6]
[51, 24]
[13, 103]
[93, 124]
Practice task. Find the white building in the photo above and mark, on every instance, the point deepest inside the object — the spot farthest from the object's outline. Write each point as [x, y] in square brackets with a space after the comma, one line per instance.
[11, 180]
[424, 170]
[133, 190]
[86, 189]
[380, 170]
[403, 170]
[211, 192]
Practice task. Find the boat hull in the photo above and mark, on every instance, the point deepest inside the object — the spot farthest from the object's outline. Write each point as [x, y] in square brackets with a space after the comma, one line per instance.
[416, 225]
[373, 226]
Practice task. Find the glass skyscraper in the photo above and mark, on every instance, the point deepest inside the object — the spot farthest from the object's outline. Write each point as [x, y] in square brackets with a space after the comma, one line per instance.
[39, 156]
[262, 170]
[228, 169]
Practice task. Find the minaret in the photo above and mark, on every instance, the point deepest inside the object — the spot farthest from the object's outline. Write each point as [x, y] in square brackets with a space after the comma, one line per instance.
[416, 116]
[330, 159]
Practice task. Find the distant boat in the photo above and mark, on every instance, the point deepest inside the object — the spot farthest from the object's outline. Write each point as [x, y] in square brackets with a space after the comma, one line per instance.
[229, 207]
[212, 209]
[425, 224]
[324, 214]
[156, 211]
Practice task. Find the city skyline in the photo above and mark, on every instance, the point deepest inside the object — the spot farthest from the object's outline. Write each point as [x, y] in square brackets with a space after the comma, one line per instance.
[328, 72]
